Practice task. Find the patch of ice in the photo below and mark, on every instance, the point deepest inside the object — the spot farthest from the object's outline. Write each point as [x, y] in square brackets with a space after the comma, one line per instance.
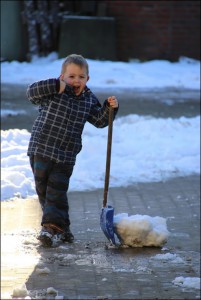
[169, 257]
[40, 271]
[187, 282]
[51, 290]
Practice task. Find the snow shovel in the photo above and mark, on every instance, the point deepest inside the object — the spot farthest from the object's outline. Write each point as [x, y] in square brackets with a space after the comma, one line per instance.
[107, 213]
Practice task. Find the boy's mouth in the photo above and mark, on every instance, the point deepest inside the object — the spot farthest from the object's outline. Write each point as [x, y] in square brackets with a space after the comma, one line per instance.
[76, 90]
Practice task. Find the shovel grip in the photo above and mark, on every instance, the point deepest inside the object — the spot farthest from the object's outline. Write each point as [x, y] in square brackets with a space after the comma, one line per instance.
[108, 157]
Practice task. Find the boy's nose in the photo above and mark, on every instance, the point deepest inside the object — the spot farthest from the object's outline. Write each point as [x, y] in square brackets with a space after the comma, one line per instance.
[76, 81]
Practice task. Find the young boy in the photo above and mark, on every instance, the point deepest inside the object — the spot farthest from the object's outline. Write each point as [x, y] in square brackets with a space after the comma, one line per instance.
[65, 105]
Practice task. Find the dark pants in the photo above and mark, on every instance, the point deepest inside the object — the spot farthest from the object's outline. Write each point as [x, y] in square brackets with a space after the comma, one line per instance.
[51, 182]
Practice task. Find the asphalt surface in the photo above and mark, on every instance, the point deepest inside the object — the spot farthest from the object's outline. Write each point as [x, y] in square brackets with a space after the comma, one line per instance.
[90, 268]
[18, 112]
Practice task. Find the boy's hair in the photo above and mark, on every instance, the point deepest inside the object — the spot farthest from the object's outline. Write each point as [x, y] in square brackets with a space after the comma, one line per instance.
[75, 59]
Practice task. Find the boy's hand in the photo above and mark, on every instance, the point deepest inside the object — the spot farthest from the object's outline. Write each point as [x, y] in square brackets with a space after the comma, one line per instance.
[112, 101]
[62, 86]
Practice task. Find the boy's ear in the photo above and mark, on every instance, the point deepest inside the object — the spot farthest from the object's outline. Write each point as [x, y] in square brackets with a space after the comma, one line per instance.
[88, 77]
[61, 76]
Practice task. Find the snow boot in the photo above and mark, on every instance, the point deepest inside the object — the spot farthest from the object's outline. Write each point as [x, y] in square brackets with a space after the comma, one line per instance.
[50, 235]
[67, 236]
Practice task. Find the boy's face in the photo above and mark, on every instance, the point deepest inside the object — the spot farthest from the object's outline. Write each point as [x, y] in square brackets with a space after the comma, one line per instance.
[75, 76]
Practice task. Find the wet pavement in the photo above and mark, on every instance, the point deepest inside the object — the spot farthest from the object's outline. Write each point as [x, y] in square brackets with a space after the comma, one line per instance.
[91, 268]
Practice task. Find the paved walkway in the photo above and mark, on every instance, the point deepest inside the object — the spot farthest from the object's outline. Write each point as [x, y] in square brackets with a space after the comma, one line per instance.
[89, 268]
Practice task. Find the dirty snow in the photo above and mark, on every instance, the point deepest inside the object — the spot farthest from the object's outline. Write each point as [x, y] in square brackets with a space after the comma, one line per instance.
[141, 230]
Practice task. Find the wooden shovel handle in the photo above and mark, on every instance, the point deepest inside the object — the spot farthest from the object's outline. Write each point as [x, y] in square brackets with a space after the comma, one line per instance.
[108, 158]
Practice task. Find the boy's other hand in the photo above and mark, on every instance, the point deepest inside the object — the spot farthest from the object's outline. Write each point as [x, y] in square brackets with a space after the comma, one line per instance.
[113, 101]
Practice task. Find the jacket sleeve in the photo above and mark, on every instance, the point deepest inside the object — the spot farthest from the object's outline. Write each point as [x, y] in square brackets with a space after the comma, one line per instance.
[99, 115]
[40, 92]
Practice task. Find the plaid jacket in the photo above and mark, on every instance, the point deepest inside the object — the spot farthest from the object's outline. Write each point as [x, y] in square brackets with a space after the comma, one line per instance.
[57, 131]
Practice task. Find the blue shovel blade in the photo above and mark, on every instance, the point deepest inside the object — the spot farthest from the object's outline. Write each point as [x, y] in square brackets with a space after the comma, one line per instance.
[106, 222]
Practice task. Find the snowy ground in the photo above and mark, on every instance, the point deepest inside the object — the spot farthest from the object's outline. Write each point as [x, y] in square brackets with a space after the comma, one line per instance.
[107, 74]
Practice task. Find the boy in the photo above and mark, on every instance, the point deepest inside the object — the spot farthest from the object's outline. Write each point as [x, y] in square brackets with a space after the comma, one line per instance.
[65, 105]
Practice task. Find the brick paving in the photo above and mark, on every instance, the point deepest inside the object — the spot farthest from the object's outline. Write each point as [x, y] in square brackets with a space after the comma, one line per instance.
[91, 269]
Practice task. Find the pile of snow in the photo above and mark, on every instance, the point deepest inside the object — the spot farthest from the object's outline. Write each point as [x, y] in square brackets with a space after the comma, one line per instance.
[159, 149]
[140, 230]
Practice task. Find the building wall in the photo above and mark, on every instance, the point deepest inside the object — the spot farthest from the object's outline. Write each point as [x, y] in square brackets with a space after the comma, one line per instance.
[13, 36]
[156, 29]
[143, 29]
